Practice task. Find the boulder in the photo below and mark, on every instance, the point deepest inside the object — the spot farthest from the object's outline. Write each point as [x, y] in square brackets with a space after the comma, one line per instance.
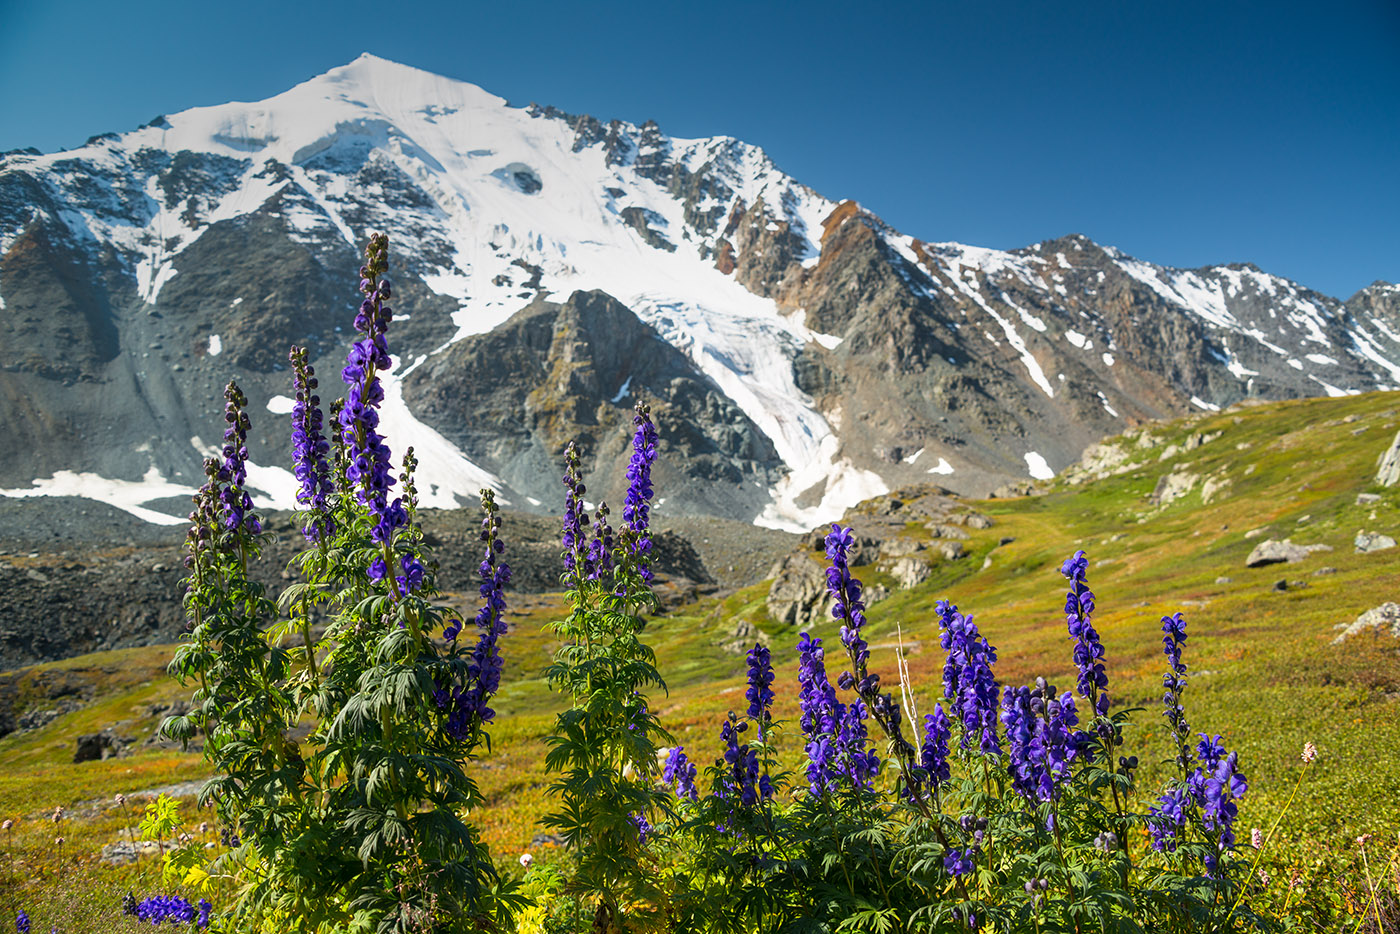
[1383, 620]
[1388, 472]
[952, 550]
[95, 746]
[798, 591]
[910, 572]
[1173, 486]
[1367, 542]
[1273, 551]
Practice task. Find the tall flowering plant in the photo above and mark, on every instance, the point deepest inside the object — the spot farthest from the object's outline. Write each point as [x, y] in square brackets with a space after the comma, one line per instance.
[603, 750]
[1011, 814]
[363, 823]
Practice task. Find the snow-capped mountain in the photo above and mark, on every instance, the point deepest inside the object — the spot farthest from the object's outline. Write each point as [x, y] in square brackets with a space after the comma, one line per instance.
[550, 269]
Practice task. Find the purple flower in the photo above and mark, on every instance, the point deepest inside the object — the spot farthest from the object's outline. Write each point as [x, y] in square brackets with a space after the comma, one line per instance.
[968, 682]
[1168, 820]
[680, 771]
[821, 715]
[741, 763]
[600, 549]
[1088, 651]
[467, 705]
[237, 505]
[574, 515]
[639, 820]
[760, 692]
[161, 908]
[958, 862]
[22, 922]
[309, 449]
[1040, 739]
[1174, 683]
[368, 455]
[933, 755]
[636, 508]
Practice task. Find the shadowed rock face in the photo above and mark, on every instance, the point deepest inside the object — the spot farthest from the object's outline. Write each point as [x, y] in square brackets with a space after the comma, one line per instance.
[514, 398]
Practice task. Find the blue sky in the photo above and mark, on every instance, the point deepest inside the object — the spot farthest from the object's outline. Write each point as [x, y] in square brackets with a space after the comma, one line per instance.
[1186, 133]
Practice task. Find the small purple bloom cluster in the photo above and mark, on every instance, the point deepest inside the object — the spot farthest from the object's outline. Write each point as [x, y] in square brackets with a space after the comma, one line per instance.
[22, 922]
[159, 909]
[1174, 683]
[237, 511]
[1041, 739]
[1088, 650]
[367, 453]
[680, 772]
[600, 549]
[760, 692]
[968, 682]
[309, 448]
[636, 508]
[639, 820]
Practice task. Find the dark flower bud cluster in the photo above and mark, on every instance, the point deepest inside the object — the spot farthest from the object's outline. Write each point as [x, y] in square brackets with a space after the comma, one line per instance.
[600, 549]
[1088, 650]
[575, 556]
[233, 471]
[367, 455]
[636, 508]
[22, 922]
[968, 682]
[309, 449]
[469, 705]
[680, 772]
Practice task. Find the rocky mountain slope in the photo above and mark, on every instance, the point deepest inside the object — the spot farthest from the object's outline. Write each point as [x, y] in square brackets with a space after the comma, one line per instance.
[550, 269]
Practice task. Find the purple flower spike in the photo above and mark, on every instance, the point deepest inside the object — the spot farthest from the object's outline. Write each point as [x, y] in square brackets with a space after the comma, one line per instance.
[1088, 651]
[237, 505]
[309, 449]
[636, 509]
[468, 705]
[680, 771]
[968, 681]
[574, 515]
[368, 455]
[933, 755]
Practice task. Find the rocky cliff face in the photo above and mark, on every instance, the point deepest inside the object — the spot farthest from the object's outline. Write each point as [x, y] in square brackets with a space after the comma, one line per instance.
[550, 269]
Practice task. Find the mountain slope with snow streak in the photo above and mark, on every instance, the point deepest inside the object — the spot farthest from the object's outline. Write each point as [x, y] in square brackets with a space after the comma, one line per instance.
[819, 349]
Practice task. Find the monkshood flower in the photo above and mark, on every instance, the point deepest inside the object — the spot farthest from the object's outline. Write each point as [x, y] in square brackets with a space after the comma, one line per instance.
[845, 590]
[469, 705]
[858, 762]
[680, 772]
[760, 692]
[161, 908]
[574, 515]
[600, 549]
[933, 755]
[639, 820]
[1168, 820]
[237, 509]
[22, 922]
[484, 670]
[1174, 683]
[958, 862]
[636, 508]
[309, 448]
[968, 682]
[741, 763]
[822, 715]
[1088, 651]
[367, 455]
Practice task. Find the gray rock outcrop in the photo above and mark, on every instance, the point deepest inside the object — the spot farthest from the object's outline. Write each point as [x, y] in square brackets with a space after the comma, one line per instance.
[1367, 542]
[798, 591]
[1384, 619]
[1278, 552]
[1388, 473]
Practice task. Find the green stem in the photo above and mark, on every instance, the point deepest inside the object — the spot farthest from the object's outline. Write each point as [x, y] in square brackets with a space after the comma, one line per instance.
[1259, 855]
